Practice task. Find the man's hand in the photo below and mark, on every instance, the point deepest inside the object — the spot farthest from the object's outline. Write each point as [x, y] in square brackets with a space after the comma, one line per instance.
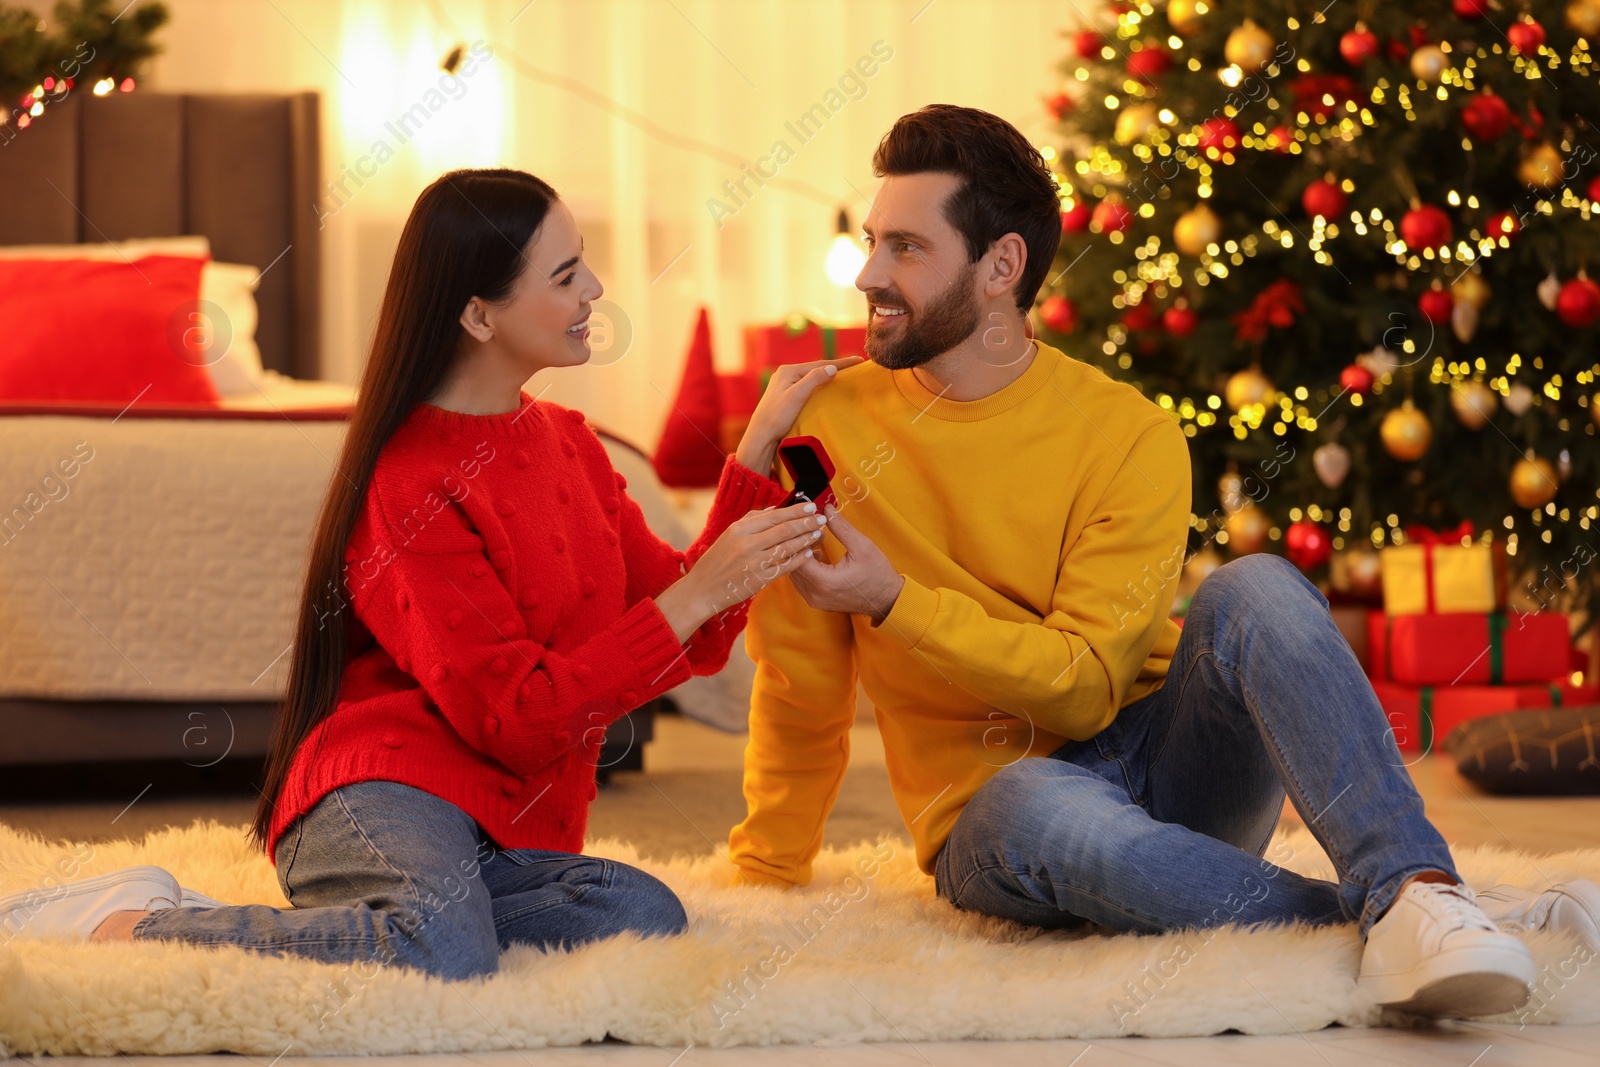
[863, 582]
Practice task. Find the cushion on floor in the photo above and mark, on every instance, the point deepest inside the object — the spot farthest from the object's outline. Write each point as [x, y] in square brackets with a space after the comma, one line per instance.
[1540, 752]
[851, 958]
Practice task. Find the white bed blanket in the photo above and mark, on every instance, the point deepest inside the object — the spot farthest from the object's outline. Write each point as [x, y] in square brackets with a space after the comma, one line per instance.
[155, 559]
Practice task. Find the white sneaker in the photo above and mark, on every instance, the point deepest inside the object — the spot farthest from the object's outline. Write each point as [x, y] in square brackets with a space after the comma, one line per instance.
[75, 909]
[1436, 953]
[1566, 907]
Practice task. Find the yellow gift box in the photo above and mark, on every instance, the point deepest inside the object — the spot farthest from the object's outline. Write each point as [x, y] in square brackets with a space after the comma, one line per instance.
[1435, 572]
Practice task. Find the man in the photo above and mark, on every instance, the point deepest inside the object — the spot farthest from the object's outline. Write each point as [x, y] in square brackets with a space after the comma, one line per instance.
[1003, 567]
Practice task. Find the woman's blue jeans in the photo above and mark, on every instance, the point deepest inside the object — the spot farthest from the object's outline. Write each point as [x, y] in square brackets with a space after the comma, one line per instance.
[381, 873]
[1160, 821]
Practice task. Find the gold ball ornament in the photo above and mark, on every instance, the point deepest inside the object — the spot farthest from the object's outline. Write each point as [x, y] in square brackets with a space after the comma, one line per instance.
[1541, 167]
[1519, 398]
[1584, 16]
[1184, 16]
[1533, 482]
[1594, 409]
[1133, 123]
[1358, 571]
[1230, 491]
[1474, 403]
[1406, 433]
[1247, 530]
[1429, 63]
[1248, 387]
[1471, 289]
[1201, 564]
[1195, 229]
[1249, 47]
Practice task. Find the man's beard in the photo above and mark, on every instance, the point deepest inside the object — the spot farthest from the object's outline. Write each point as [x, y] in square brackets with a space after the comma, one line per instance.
[950, 318]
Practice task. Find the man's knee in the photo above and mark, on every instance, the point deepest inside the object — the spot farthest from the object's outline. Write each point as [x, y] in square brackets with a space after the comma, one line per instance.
[1260, 579]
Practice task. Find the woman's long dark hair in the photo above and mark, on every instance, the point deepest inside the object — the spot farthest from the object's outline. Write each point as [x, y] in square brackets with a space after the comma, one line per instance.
[465, 237]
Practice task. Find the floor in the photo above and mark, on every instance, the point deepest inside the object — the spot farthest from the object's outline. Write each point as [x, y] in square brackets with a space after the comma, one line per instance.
[1458, 1045]
[689, 796]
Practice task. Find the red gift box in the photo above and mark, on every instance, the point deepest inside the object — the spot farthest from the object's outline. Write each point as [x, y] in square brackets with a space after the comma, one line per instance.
[768, 347]
[1423, 716]
[1468, 648]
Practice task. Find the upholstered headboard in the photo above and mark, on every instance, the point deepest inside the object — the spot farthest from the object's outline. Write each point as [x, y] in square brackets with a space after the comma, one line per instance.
[242, 169]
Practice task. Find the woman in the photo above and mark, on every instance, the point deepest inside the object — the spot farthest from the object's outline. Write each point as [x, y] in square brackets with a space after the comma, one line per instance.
[482, 600]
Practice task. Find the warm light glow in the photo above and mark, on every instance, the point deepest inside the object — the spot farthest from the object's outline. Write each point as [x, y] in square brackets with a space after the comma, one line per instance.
[845, 260]
[424, 118]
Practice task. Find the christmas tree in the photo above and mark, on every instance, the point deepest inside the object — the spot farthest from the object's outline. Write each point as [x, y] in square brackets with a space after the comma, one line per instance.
[93, 43]
[1346, 245]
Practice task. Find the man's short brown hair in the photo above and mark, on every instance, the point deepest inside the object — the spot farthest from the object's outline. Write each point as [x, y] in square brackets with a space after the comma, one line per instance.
[1006, 186]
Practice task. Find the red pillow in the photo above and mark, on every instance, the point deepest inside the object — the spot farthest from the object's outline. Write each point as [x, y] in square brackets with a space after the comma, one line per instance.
[107, 330]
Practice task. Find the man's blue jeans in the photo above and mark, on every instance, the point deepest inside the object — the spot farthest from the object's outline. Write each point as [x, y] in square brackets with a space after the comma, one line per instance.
[381, 873]
[1159, 822]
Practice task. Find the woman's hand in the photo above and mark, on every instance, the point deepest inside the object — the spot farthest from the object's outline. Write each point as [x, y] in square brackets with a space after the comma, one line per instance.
[751, 553]
[790, 386]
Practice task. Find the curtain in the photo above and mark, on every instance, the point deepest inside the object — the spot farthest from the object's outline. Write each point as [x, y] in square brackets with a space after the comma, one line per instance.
[705, 146]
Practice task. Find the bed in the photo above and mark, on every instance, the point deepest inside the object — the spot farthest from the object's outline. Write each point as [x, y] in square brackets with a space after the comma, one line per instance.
[136, 594]
[147, 597]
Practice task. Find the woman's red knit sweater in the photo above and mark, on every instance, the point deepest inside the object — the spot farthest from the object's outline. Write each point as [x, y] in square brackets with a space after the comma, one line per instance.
[500, 614]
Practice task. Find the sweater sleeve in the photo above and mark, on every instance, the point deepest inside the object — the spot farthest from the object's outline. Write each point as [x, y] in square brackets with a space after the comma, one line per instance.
[449, 621]
[653, 564]
[1071, 671]
[801, 709]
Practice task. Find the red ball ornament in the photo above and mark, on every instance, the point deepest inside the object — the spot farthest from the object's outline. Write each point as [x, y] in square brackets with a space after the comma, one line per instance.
[1307, 544]
[1594, 189]
[1486, 116]
[1075, 219]
[1180, 320]
[1112, 215]
[1505, 223]
[1425, 227]
[1149, 63]
[1218, 138]
[1359, 45]
[1525, 36]
[1356, 379]
[1058, 313]
[1140, 318]
[1578, 303]
[1058, 105]
[1280, 138]
[1401, 47]
[1470, 9]
[1324, 197]
[1088, 44]
[1436, 305]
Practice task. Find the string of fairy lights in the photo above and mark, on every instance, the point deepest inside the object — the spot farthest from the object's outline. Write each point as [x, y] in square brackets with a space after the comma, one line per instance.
[1198, 254]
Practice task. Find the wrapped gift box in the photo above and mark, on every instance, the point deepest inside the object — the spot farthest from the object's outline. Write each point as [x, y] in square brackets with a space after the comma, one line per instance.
[1465, 648]
[1422, 716]
[769, 347]
[1435, 572]
[737, 396]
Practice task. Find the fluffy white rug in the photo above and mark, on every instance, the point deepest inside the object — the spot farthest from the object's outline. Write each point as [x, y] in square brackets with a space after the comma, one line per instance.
[849, 959]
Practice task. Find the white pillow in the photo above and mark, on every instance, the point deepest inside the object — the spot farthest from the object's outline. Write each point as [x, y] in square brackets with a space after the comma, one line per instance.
[230, 286]
[132, 249]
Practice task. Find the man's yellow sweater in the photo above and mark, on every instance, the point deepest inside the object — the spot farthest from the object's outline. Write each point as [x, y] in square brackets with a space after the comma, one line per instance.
[1041, 532]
